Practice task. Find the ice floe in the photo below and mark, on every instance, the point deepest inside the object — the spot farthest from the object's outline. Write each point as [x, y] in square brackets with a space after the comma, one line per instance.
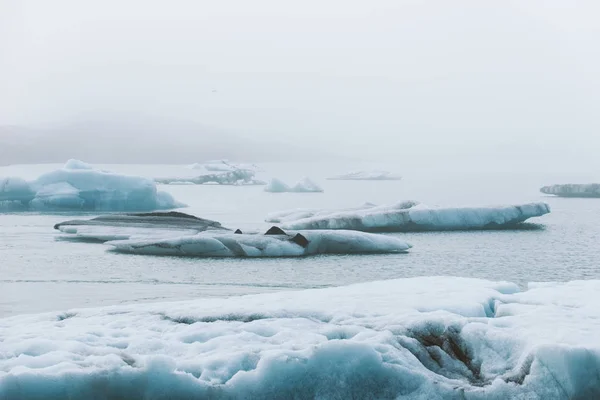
[573, 190]
[79, 187]
[236, 177]
[305, 185]
[367, 176]
[410, 216]
[136, 226]
[180, 234]
[284, 244]
[419, 338]
[223, 165]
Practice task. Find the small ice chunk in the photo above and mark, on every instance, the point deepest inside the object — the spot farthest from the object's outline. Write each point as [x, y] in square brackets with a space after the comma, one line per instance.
[367, 176]
[305, 185]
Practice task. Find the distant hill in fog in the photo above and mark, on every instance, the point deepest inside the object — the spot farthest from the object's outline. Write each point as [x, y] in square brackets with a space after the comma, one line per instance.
[140, 141]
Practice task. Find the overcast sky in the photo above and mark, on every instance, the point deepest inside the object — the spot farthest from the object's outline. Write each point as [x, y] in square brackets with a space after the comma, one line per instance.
[381, 77]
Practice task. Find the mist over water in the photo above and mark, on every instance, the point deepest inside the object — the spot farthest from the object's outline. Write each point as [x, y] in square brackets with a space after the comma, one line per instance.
[423, 83]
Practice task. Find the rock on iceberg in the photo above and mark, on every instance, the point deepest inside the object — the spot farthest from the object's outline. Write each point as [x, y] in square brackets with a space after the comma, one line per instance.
[573, 190]
[419, 338]
[367, 176]
[305, 185]
[411, 217]
[236, 177]
[79, 187]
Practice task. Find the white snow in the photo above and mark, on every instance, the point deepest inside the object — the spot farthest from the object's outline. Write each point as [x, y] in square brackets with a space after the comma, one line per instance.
[410, 216]
[367, 176]
[305, 185]
[216, 244]
[573, 190]
[79, 187]
[419, 338]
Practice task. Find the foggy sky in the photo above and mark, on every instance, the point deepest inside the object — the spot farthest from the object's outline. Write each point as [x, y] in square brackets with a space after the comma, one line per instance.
[400, 79]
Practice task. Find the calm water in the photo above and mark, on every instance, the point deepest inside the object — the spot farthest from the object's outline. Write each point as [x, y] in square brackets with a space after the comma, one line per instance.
[40, 273]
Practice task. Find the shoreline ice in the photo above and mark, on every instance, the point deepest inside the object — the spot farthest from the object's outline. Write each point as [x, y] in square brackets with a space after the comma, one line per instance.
[426, 338]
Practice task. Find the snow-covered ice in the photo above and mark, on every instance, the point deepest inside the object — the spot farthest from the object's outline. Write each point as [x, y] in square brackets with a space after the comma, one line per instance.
[367, 176]
[79, 187]
[409, 216]
[305, 185]
[236, 177]
[419, 338]
[573, 190]
[290, 244]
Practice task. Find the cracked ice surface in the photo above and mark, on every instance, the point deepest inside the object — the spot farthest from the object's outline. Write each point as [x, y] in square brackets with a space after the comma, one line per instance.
[427, 338]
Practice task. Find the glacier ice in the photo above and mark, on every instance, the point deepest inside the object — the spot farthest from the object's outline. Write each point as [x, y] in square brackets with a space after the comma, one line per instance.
[237, 177]
[418, 338]
[136, 226]
[15, 189]
[367, 176]
[411, 217]
[305, 185]
[290, 244]
[573, 190]
[180, 234]
[79, 187]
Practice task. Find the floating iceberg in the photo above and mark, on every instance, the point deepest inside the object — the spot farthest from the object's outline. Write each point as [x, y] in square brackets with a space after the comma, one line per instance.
[181, 234]
[305, 185]
[419, 338]
[367, 176]
[79, 187]
[16, 189]
[293, 244]
[236, 177]
[573, 190]
[223, 166]
[412, 217]
[138, 226]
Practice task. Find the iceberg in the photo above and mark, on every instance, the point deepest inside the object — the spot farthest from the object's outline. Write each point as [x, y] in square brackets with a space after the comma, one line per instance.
[236, 177]
[292, 244]
[412, 217]
[138, 226]
[223, 166]
[305, 185]
[180, 234]
[367, 176]
[418, 338]
[16, 189]
[79, 187]
[573, 190]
